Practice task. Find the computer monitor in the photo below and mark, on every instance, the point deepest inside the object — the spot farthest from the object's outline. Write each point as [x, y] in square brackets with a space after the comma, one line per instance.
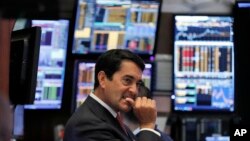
[84, 79]
[203, 67]
[24, 53]
[51, 66]
[106, 24]
[241, 31]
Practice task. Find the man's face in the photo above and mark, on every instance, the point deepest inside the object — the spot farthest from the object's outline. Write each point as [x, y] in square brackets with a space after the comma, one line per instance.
[123, 86]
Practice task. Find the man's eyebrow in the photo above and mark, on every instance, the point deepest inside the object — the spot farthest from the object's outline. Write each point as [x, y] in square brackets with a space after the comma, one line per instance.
[130, 76]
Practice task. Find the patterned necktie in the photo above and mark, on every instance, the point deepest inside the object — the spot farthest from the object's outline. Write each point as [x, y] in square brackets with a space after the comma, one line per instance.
[120, 120]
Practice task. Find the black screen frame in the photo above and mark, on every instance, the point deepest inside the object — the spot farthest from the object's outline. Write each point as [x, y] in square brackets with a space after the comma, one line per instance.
[241, 13]
[24, 55]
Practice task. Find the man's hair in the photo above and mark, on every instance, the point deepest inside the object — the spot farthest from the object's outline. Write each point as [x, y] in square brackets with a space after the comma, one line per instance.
[110, 62]
[144, 91]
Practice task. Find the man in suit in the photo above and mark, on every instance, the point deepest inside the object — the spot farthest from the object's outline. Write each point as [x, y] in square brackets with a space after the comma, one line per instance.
[118, 75]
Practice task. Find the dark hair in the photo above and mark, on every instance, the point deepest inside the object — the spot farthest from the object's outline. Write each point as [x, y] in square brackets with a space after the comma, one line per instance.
[144, 91]
[110, 62]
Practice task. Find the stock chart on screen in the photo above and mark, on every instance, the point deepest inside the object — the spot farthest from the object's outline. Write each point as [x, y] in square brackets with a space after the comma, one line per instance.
[203, 63]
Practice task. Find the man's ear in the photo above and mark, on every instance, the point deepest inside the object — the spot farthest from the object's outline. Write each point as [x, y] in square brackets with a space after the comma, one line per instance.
[102, 78]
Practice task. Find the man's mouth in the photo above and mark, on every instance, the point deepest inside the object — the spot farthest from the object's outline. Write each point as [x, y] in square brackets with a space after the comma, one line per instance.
[128, 96]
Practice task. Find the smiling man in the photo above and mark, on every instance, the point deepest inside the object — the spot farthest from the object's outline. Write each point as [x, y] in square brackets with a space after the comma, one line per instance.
[118, 76]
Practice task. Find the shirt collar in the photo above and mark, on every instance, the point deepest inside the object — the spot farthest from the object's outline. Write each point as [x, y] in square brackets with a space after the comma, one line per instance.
[136, 131]
[106, 106]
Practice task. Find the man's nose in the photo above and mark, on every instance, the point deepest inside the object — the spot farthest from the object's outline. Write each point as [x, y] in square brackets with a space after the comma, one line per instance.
[133, 89]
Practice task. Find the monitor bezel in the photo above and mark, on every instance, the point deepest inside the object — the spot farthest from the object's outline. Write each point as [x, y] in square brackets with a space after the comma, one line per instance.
[22, 91]
[241, 16]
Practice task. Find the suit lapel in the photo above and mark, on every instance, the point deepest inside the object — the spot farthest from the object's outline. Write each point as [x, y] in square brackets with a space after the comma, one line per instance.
[107, 117]
[130, 133]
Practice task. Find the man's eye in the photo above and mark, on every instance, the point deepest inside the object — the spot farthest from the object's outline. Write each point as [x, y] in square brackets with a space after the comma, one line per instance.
[127, 81]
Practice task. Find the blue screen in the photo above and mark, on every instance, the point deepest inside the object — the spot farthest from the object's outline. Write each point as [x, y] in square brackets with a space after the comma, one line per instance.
[203, 63]
[51, 67]
[18, 122]
[106, 24]
[218, 138]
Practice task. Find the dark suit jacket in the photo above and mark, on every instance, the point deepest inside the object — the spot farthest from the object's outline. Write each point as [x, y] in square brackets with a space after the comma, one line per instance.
[92, 122]
[164, 136]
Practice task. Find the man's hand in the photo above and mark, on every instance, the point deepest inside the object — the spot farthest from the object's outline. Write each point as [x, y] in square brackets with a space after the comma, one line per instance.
[145, 110]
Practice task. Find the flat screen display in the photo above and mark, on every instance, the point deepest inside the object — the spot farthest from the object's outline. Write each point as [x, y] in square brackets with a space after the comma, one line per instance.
[24, 55]
[203, 75]
[101, 25]
[241, 32]
[51, 67]
[84, 79]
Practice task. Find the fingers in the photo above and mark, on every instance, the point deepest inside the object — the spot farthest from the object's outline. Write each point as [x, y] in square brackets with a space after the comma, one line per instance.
[130, 101]
[145, 111]
[143, 102]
